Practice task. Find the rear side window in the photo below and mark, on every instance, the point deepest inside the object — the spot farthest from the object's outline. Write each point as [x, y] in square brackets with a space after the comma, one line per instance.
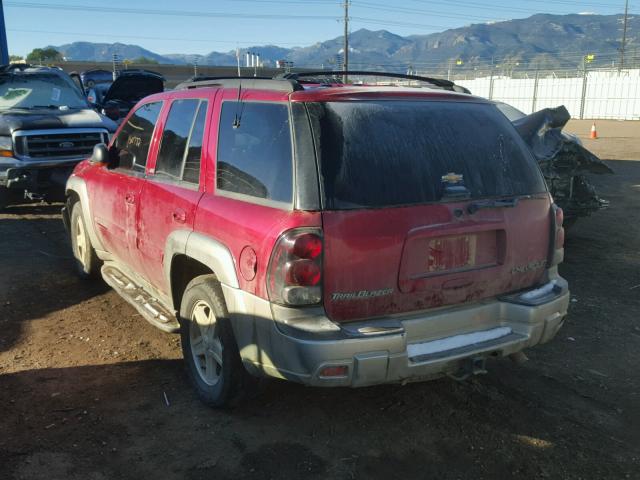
[131, 146]
[254, 150]
[192, 161]
[393, 153]
[181, 144]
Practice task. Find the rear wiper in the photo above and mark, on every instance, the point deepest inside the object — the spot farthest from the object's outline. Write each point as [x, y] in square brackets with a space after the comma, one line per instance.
[502, 203]
[57, 107]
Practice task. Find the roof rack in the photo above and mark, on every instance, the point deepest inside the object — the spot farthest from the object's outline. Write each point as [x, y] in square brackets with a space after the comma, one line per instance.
[14, 66]
[324, 77]
[291, 82]
[267, 83]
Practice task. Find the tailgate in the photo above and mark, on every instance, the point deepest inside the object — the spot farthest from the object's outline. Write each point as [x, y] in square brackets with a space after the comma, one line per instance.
[390, 261]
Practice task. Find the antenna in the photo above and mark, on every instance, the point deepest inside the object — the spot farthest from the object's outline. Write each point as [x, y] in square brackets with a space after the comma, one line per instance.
[239, 105]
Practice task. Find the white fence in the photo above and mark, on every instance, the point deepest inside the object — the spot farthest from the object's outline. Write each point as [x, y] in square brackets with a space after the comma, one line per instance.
[593, 95]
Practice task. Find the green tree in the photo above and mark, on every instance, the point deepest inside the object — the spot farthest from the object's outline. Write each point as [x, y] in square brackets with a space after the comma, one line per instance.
[48, 54]
[15, 58]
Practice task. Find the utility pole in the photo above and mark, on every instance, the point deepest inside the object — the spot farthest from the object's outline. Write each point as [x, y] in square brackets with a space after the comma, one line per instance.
[4, 50]
[624, 35]
[345, 66]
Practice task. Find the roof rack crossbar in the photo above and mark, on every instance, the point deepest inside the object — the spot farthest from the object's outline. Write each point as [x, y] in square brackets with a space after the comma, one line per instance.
[267, 83]
[438, 82]
[14, 66]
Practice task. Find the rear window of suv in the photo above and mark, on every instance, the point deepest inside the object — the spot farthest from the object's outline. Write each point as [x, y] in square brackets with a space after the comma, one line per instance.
[394, 153]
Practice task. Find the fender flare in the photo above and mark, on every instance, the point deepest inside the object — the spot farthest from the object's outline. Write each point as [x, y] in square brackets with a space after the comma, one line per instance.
[206, 250]
[79, 187]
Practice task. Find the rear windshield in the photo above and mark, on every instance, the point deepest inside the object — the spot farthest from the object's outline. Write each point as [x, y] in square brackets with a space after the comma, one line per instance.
[393, 153]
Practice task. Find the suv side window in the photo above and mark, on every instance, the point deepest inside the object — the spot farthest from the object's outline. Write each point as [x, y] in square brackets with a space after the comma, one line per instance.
[181, 146]
[255, 153]
[131, 146]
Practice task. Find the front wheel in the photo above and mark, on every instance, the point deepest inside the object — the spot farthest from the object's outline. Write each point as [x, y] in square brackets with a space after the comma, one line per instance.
[87, 262]
[208, 345]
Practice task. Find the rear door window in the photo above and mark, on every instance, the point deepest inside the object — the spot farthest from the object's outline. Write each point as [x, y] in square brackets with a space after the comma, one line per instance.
[181, 144]
[131, 145]
[394, 153]
[254, 151]
[191, 171]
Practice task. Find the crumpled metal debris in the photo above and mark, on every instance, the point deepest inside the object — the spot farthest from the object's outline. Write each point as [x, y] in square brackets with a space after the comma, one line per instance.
[564, 161]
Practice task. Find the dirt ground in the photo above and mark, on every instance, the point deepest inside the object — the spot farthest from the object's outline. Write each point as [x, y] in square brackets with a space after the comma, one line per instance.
[89, 390]
[616, 139]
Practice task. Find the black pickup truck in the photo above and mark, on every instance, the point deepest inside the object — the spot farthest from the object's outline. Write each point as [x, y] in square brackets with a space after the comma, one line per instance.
[46, 127]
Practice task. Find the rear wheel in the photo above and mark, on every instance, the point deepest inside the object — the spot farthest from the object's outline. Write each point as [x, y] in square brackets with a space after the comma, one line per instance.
[208, 345]
[87, 261]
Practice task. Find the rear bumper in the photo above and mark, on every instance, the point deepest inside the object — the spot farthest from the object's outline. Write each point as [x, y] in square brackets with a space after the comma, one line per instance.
[396, 349]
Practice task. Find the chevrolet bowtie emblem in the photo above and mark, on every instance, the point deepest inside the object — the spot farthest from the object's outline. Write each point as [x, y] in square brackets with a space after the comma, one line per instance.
[451, 178]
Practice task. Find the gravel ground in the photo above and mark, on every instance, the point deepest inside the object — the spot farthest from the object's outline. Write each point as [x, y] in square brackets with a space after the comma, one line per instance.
[89, 390]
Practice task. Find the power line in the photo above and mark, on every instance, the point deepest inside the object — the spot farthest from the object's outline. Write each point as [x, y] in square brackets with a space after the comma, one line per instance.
[430, 13]
[172, 13]
[144, 37]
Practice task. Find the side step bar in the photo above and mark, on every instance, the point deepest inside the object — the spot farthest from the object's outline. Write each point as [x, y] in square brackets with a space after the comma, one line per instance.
[147, 305]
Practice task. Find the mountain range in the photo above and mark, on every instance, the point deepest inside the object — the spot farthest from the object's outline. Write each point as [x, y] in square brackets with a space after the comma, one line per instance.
[539, 41]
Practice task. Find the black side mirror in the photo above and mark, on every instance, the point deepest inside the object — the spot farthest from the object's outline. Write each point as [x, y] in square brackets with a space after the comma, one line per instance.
[100, 154]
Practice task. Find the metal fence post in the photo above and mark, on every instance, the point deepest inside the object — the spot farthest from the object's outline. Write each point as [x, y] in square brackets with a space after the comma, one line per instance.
[491, 85]
[584, 92]
[535, 92]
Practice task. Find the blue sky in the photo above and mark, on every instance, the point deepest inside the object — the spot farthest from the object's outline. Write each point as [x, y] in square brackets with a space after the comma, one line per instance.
[201, 26]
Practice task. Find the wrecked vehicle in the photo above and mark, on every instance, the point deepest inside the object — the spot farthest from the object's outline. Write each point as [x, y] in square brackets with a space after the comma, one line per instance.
[93, 77]
[563, 159]
[116, 99]
[46, 128]
[340, 236]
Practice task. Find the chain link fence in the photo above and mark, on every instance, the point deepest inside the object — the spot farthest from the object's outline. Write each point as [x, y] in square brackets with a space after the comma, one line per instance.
[587, 94]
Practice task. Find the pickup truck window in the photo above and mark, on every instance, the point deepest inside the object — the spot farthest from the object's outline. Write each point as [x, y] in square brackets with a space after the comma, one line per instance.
[131, 145]
[181, 145]
[254, 150]
[38, 91]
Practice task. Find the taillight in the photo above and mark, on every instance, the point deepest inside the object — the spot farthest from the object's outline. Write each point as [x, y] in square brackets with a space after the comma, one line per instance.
[559, 228]
[556, 242]
[294, 276]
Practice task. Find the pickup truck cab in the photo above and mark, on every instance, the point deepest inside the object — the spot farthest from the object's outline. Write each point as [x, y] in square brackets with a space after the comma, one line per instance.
[326, 234]
[46, 128]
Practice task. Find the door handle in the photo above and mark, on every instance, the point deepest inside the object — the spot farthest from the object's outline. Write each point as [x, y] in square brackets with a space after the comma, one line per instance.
[130, 198]
[179, 216]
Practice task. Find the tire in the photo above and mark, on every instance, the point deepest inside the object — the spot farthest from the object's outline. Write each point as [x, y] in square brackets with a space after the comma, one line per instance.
[4, 198]
[208, 346]
[569, 223]
[87, 262]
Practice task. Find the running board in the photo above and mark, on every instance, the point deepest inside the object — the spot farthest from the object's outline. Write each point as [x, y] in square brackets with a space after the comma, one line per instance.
[147, 305]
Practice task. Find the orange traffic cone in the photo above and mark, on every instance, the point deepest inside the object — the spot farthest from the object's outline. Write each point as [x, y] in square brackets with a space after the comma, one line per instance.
[594, 133]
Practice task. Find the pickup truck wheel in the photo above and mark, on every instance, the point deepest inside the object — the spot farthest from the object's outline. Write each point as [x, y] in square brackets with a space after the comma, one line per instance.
[87, 261]
[4, 197]
[208, 345]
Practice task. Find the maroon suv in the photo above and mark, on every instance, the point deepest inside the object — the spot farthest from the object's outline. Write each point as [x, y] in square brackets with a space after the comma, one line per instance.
[327, 234]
